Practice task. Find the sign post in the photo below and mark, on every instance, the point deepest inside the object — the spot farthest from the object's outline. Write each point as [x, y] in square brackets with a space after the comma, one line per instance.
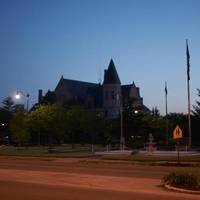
[177, 134]
[178, 150]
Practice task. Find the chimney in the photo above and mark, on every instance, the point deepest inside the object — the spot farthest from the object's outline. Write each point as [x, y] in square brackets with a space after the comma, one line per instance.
[40, 96]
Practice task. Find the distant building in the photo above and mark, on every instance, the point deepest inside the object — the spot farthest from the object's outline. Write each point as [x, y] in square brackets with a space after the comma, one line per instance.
[108, 97]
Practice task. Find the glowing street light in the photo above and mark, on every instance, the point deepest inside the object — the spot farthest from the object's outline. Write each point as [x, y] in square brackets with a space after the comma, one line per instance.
[18, 96]
[136, 111]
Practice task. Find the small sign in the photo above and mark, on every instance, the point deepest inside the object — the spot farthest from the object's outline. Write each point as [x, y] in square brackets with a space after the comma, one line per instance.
[177, 133]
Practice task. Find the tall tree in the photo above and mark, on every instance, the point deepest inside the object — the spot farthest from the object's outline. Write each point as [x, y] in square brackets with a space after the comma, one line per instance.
[95, 127]
[48, 122]
[6, 114]
[196, 108]
[75, 124]
[196, 121]
[19, 128]
[8, 104]
[155, 112]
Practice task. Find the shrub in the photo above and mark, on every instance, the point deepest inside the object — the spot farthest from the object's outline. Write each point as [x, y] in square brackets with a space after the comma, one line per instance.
[185, 180]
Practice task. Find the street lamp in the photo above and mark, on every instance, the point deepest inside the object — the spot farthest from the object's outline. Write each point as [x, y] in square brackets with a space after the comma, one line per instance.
[27, 95]
[17, 96]
[122, 139]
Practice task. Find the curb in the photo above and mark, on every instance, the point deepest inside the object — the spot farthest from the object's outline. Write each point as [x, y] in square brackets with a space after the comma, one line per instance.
[169, 187]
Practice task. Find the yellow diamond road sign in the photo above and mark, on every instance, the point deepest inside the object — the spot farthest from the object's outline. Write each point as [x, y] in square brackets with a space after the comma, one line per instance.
[177, 133]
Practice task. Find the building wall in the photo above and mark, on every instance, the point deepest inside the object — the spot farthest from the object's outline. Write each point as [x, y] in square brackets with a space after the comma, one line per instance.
[135, 96]
[112, 99]
[62, 93]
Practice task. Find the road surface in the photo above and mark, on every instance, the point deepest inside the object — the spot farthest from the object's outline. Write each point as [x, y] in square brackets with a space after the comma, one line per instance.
[75, 179]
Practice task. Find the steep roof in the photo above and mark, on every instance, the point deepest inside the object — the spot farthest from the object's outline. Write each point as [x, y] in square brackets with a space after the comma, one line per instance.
[146, 109]
[77, 88]
[130, 90]
[110, 74]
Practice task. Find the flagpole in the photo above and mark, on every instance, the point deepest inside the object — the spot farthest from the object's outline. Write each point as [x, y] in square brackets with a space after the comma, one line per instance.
[188, 89]
[189, 114]
[166, 111]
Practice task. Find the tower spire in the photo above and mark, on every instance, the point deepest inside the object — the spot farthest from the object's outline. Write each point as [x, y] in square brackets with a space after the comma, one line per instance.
[111, 75]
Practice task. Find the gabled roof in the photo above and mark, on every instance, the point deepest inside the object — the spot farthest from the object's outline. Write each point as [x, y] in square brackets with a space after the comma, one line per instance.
[110, 74]
[76, 88]
[146, 110]
[126, 91]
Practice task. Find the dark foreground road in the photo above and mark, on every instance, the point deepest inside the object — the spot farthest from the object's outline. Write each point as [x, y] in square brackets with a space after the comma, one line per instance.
[71, 179]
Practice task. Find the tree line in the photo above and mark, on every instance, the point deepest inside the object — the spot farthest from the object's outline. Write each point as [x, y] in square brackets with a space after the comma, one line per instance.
[53, 124]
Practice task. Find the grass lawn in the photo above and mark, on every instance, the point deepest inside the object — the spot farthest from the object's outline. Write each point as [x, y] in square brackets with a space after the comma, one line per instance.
[80, 151]
[44, 151]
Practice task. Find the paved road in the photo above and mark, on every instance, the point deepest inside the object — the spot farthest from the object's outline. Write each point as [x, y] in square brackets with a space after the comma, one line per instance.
[74, 179]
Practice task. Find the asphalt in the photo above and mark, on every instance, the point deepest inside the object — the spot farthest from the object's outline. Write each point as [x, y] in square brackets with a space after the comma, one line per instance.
[73, 179]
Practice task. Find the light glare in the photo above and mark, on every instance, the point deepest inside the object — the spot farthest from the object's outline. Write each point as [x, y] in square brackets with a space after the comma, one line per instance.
[17, 96]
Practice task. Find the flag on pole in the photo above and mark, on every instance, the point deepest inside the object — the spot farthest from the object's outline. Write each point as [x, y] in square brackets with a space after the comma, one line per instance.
[166, 92]
[188, 86]
[188, 60]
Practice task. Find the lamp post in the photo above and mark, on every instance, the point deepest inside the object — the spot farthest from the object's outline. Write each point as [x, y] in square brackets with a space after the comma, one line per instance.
[122, 139]
[27, 96]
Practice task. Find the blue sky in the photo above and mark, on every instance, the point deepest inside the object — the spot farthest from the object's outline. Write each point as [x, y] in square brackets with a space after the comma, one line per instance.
[40, 40]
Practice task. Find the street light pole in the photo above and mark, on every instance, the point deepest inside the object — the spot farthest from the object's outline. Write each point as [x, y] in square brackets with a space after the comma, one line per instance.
[27, 101]
[122, 136]
[18, 96]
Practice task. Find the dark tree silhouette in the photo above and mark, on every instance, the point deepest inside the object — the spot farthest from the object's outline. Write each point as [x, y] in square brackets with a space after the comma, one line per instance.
[196, 108]
[8, 104]
[155, 112]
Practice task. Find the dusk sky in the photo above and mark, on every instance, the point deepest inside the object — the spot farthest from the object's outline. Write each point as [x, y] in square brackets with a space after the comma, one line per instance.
[40, 40]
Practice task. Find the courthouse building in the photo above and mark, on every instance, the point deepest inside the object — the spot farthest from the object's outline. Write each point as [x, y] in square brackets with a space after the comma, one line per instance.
[108, 97]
